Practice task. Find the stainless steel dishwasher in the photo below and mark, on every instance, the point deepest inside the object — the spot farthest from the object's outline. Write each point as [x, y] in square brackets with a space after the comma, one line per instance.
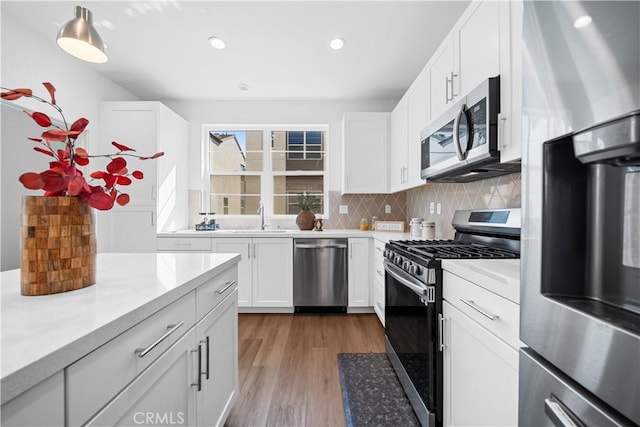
[320, 275]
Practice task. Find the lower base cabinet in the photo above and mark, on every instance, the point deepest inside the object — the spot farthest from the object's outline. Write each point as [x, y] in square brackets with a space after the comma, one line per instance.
[41, 405]
[162, 395]
[193, 383]
[480, 374]
[218, 341]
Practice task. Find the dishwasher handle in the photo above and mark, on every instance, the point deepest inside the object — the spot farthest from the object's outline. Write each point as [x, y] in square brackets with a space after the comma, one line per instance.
[335, 246]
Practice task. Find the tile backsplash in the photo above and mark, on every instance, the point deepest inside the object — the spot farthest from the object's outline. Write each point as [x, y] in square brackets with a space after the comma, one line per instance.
[359, 206]
[364, 206]
[499, 192]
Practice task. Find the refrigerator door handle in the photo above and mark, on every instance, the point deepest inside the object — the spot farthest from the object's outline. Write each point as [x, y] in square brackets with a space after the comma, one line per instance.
[559, 414]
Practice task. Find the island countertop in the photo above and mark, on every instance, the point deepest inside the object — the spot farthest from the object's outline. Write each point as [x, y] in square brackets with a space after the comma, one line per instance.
[41, 335]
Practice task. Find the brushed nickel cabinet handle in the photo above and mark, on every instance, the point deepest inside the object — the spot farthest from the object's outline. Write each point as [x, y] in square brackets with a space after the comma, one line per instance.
[206, 342]
[199, 383]
[223, 290]
[142, 352]
[485, 313]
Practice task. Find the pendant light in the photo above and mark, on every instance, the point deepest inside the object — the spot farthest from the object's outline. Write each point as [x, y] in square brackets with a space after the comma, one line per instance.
[79, 38]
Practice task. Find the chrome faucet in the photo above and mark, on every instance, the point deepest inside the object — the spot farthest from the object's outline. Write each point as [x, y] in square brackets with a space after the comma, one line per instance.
[261, 212]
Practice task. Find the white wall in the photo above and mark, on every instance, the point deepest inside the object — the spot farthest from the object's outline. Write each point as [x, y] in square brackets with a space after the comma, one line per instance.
[272, 112]
[27, 60]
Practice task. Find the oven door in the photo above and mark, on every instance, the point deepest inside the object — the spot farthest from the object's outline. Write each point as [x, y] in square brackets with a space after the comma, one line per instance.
[410, 327]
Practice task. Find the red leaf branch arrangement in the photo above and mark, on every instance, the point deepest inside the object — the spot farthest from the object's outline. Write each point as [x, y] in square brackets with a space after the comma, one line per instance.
[64, 178]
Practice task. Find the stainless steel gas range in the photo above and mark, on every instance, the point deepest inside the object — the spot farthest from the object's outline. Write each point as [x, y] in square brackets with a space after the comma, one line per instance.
[413, 294]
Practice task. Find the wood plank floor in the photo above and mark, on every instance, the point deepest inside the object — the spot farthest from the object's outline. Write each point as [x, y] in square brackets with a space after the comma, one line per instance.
[289, 370]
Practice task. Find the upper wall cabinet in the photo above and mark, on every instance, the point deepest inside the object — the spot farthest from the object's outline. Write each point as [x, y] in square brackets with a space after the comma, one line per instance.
[467, 56]
[365, 139]
[408, 119]
[158, 201]
[398, 147]
[418, 118]
[485, 42]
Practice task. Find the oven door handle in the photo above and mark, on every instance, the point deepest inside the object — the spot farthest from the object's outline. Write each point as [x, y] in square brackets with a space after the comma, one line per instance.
[395, 273]
[559, 414]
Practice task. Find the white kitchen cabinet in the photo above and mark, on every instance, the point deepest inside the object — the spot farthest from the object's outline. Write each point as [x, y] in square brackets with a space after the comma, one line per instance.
[177, 367]
[510, 130]
[481, 337]
[408, 119]
[378, 296]
[365, 139]
[485, 42]
[476, 41]
[158, 201]
[480, 374]
[440, 76]
[217, 335]
[265, 270]
[243, 247]
[41, 405]
[116, 364]
[164, 394]
[184, 244]
[398, 145]
[417, 120]
[272, 261]
[358, 271]
[466, 57]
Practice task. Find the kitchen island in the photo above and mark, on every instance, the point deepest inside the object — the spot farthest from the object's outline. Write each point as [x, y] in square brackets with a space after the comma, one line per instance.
[94, 343]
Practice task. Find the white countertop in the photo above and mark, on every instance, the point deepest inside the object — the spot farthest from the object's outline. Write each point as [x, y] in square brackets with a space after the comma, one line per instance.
[500, 276]
[274, 232]
[278, 232]
[43, 334]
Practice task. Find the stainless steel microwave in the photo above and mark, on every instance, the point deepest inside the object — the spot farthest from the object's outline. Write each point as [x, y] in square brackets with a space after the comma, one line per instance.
[462, 144]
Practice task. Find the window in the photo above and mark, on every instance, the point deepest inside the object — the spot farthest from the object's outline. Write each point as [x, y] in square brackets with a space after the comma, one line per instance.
[272, 165]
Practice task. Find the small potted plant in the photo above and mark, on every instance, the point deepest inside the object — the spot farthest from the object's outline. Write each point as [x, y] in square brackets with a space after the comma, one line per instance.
[306, 202]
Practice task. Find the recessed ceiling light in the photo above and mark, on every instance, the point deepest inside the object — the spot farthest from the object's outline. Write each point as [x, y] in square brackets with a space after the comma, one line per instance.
[243, 87]
[582, 22]
[337, 43]
[217, 42]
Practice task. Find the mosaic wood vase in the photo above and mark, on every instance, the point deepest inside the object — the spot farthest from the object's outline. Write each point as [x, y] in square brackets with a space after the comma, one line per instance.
[58, 252]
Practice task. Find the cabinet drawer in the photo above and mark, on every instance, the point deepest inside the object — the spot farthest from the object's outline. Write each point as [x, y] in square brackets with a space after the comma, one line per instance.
[211, 293]
[184, 244]
[378, 247]
[378, 299]
[93, 380]
[480, 304]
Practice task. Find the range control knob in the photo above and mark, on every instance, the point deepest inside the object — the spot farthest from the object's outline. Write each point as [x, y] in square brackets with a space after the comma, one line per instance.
[414, 269]
[397, 259]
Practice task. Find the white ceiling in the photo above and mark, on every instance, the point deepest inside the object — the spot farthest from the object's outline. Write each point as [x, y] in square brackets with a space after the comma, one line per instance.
[159, 50]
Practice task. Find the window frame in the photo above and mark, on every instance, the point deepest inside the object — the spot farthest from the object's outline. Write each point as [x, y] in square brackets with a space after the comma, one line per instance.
[267, 174]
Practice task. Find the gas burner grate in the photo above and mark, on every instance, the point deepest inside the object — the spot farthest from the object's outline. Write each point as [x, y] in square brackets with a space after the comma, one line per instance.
[463, 251]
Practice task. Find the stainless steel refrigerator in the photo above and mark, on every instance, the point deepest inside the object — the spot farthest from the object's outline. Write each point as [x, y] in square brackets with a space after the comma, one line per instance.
[580, 289]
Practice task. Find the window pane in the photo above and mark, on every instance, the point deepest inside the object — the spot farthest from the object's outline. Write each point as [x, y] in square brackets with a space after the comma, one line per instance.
[314, 138]
[285, 189]
[231, 151]
[235, 194]
[297, 150]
